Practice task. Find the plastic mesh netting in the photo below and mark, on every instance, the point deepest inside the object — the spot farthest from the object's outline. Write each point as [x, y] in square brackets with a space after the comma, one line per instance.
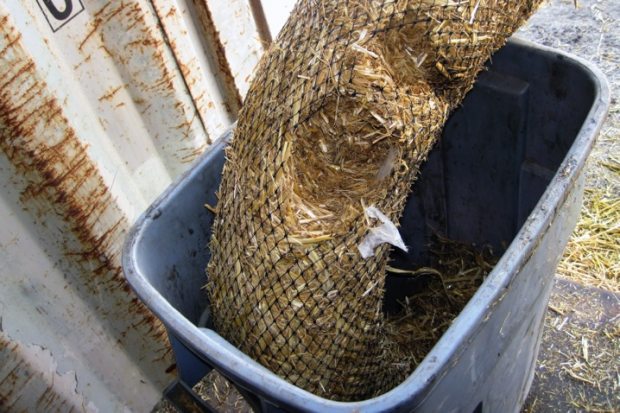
[343, 109]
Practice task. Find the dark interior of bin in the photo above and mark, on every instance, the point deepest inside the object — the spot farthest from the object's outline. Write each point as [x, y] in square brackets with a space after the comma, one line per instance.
[498, 154]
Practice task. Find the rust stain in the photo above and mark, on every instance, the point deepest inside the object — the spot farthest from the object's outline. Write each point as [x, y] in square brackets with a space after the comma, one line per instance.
[140, 38]
[99, 12]
[25, 68]
[10, 381]
[116, 12]
[90, 33]
[62, 180]
[100, 19]
[216, 50]
[106, 50]
[171, 12]
[11, 42]
[200, 97]
[171, 368]
[145, 42]
[193, 154]
[110, 94]
[145, 109]
[85, 60]
[184, 67]
[11, 377]
[32, 92]
[142, 48]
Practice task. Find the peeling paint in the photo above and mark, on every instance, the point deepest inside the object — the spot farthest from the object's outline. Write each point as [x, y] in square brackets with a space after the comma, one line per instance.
[30, 382]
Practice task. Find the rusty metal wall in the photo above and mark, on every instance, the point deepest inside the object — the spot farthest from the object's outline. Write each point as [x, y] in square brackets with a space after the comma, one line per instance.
[102, 104]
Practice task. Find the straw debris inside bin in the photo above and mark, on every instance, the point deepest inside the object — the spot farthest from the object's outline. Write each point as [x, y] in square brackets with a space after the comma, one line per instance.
[455, 272]
[343, 109]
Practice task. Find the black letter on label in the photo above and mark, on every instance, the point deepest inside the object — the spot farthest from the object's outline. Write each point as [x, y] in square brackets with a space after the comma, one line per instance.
[59, 15]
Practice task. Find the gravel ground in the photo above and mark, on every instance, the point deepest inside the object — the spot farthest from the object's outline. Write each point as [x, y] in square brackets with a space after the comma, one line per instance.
[579, 364]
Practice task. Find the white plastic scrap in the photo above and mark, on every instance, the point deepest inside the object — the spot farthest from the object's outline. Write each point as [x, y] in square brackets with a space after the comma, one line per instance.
[384, 233]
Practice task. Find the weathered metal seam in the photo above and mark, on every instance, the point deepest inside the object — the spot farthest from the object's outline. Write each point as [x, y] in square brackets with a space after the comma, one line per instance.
[180, 68]
[216, 50]
[148, 38]
[262, 26]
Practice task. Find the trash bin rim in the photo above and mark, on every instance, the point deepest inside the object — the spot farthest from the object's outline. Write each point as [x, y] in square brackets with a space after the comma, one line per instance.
[248, 373]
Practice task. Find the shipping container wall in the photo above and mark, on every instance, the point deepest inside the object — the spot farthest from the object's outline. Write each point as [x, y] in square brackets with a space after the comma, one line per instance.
[102, 105]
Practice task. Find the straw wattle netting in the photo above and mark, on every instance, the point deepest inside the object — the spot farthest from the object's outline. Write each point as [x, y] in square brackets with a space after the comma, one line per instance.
[343, 109]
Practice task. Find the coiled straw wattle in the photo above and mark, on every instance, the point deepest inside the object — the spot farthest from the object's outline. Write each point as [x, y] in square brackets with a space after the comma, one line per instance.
[343, 109]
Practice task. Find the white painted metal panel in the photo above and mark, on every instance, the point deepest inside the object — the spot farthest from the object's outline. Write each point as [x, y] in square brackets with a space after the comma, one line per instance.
[240, 40]
[102, 104]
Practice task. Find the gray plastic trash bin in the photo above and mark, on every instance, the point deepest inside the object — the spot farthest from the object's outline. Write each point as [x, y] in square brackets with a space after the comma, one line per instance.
[508, 171]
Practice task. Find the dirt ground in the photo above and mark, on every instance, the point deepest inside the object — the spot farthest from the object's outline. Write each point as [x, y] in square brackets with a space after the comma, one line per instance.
[591, 32]
[578, 367]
